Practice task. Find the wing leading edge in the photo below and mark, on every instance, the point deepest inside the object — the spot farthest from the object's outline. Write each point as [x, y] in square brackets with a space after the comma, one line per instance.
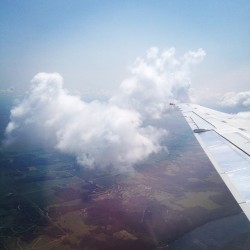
[226, 140]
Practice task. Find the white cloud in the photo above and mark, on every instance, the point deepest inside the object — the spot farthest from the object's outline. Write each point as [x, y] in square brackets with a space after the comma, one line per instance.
[156, 80]
[98, 134]
[232, 99]
[111, 133]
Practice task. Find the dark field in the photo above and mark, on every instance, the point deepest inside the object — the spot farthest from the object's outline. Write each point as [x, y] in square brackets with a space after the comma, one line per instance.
[173, 200]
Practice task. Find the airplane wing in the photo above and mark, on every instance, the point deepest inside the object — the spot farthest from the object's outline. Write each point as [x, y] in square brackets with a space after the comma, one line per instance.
[226, 140]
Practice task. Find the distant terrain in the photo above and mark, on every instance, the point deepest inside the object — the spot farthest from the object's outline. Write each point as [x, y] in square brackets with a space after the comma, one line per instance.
[48, 201]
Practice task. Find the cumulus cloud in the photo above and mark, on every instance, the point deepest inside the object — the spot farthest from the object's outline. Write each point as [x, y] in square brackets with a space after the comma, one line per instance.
[98, 134]
[157, 79]
[232, 99]
[111, 133]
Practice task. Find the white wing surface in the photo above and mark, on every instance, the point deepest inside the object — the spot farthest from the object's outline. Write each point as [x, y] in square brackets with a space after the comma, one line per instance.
[226, 140]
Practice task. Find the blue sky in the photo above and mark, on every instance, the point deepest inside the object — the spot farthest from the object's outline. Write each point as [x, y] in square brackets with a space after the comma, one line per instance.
[91, 43]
